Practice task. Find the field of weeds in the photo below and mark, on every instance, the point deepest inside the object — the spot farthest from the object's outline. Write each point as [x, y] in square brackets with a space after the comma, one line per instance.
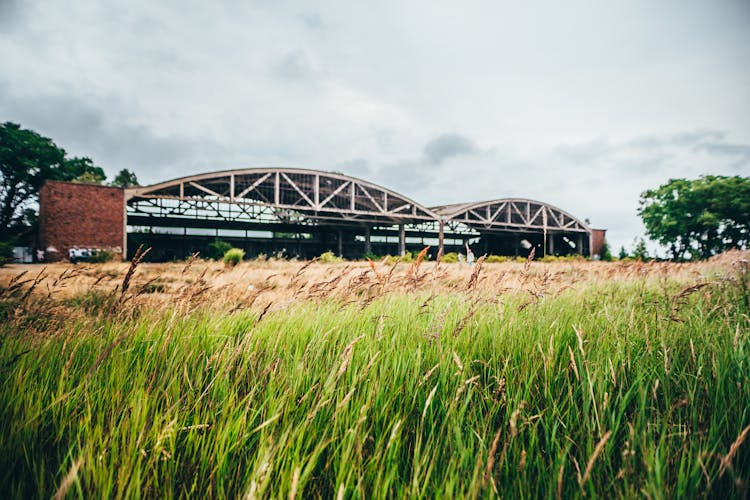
[299, 380]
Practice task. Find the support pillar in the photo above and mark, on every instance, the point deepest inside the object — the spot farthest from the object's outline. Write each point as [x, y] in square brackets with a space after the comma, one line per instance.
[401, 239]
[551, 244]
[516, 244]
[368, 245]
[341, 243]
[579, 244]
[441, 238]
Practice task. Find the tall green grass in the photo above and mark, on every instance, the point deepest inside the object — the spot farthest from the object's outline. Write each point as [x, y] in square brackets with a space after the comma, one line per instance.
[619, 388]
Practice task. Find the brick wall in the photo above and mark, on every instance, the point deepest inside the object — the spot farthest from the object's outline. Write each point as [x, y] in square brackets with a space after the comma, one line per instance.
[597, 241]
[82, 215]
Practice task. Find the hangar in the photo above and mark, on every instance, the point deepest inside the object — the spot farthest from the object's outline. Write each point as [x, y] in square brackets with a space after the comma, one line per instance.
[303, 213]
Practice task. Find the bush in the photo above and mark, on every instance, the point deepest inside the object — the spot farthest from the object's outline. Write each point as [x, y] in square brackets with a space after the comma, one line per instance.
[233, 256]
[217, 249]
[6, 252]
[329, 258]
[100, 256]
[450, 257]
[497, 259]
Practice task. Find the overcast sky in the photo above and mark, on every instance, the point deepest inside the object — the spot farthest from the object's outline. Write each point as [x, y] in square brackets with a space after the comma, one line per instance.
[580, 104]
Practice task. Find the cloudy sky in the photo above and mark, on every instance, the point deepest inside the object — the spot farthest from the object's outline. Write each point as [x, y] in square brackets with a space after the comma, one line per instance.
[580, 104]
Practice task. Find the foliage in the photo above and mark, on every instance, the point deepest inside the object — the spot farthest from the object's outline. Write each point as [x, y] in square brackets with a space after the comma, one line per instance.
[453, 395]
[125, 178]
[450, 258]
[329, 258]
[100, 256]
[233, 256]
[623, 253]
[217, 249]
[639, 251]
[573, 257]
[497, 259]
[27, 160]
[699, 217]
[606, 254]
[6, 252]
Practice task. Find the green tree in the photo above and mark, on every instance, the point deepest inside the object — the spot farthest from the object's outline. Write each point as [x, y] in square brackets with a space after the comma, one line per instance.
[639, 250]
[124, 178]
[699, 217]
[27, 160]
[623, 253]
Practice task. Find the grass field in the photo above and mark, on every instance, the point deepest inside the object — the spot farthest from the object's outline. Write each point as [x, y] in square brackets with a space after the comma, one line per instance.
[298, 380]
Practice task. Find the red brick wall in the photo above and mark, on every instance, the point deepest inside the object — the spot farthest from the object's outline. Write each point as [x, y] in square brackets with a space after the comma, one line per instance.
[82, 215]
[597, 241]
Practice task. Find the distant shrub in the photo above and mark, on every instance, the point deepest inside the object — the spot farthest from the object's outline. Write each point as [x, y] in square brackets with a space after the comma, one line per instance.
[521, 259]
[100, 256]
[233, 256]
[217, 249]
[329, 258]
[6, 252]
[496, 259]
[450, 257]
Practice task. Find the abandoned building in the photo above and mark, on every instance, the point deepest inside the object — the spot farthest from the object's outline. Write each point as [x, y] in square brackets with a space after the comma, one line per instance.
[300, 213]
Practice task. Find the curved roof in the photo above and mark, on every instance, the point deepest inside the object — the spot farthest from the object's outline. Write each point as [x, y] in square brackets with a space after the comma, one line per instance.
[511, 213]
[315, 193]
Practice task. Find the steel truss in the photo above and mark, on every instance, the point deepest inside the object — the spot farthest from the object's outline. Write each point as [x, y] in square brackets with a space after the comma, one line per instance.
[307, 198]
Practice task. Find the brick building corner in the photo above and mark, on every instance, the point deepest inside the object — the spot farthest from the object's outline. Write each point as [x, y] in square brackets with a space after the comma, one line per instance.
[83, 216]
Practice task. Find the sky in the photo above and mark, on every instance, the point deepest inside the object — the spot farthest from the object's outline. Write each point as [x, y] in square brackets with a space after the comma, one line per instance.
[580, 104]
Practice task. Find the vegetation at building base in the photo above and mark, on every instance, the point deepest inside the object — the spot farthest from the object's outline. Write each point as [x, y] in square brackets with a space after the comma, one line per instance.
[305, 380]
[233, 256]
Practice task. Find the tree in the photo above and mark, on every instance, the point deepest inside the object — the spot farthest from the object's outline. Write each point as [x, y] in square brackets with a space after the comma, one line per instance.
[27, 160]
[699, 217]
[639, 251]
[124, 178]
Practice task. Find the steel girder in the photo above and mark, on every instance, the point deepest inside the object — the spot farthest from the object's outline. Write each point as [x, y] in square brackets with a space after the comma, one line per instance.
[511, 214]
[276, 194]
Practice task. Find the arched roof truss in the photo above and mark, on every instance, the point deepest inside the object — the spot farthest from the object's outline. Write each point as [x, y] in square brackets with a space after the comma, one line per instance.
[511, 214]
[282, 193]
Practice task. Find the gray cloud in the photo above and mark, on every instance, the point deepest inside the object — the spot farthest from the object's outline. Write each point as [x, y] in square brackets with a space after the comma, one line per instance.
[296, 65]
[83, 128]
[447, 146]
[741, 152]
[357, 167]
[312, 20]
[10, 13]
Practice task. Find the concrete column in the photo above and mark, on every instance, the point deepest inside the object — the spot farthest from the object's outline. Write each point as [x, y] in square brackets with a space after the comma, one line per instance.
[579, 244]
[401, 239]
[368, 245]
[516, 244]
[551, 244]
[341, 243]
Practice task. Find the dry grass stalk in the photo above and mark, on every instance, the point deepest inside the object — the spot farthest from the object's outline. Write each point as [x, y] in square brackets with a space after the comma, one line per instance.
[491, 457]
[474, 279]
[137, 258]
[594, 456]
[68, 480]
[679, 299]
[726, 460]
[295, 482]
